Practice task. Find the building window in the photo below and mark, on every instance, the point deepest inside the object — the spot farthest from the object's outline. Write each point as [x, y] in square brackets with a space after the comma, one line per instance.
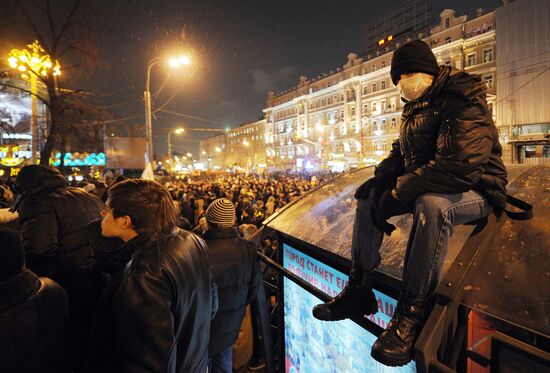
[393, 123]
[341, 97]
[383, 64]
[365, 90]
[365, 108]
[488, 80]
[448, 40]
[471, 60]
[383, 85]
[352, 110]
[447, 23]
[373, 67]
[330, 100]
[488, 55]
[374, 87]
[374, 106]
[393, 103]
[383, 105]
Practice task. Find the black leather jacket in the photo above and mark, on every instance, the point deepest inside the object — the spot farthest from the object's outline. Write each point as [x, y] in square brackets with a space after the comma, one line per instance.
[448, 143]
[161, 306]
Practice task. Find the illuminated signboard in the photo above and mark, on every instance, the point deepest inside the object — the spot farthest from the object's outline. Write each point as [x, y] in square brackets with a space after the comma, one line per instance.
[12, 155]
[80, 159]
[312, 345]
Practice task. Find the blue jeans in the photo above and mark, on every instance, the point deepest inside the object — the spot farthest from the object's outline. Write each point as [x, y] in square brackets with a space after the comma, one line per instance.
[222, 362]
[433, 218]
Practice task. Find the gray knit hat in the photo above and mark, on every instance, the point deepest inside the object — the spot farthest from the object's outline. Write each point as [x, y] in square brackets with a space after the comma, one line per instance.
[221, 212]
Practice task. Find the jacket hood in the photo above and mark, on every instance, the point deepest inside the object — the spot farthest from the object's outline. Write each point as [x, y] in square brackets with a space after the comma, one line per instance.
[452, 81]
[35, 179]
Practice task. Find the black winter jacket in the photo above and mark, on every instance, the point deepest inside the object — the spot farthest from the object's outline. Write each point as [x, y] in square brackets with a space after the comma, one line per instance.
[237, 276]
[34, 325]
[54, 219]
[448, 143]
[155, 315]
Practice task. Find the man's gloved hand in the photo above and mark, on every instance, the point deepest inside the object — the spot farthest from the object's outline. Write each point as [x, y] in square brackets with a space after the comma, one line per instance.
[381, 210]
[364, 189]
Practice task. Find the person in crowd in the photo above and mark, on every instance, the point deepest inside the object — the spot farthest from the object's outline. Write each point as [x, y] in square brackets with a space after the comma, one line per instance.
[237, 276]
[270, 206]
[54, 219]
[259, 213]
[34, 318]
[445, 169]
[155, 313]
[201, 227]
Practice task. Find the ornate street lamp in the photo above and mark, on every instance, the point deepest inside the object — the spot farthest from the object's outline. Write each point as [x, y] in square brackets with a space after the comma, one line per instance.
[33, 63]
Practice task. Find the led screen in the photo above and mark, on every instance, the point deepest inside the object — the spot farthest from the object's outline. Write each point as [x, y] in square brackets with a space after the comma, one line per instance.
[317, 346]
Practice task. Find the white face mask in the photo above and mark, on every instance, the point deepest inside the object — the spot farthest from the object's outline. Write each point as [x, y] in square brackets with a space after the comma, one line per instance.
[414, 86]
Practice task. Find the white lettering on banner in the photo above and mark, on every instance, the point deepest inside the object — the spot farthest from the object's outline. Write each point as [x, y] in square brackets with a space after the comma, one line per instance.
[332, 282]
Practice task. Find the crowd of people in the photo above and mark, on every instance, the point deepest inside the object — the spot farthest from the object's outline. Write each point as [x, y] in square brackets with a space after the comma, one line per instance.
[132, 275]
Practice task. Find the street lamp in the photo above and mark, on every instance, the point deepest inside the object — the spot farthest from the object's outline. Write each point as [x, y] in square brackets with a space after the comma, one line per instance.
[174, 63]
[33, 64]
[177, 131]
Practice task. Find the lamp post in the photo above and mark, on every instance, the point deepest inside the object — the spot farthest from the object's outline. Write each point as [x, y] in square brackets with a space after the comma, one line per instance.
[33, 64]
[174, 63]
[177, 131]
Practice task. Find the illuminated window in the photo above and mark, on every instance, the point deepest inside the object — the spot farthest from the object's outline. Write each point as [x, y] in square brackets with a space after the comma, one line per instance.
[488, 55]
[365, 90]
[383, 85]
[488, 80]
[447, 23]
[393, 123]
[374, 87]
[471, 59]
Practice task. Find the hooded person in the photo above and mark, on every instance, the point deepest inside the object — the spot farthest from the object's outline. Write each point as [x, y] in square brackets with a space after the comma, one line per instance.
[237, 275]
[445, 169]
[34, 320]
[54, 220]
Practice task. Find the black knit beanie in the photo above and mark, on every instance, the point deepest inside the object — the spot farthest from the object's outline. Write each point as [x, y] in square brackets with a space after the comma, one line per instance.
[12, 258]
[413, 57]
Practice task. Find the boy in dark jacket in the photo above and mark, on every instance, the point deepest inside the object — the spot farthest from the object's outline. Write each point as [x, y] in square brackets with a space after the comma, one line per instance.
[445, 169]
[155, 314]
[237, 276]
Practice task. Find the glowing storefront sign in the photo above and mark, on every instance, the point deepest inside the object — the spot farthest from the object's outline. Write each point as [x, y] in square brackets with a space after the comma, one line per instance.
[80, 159]
[12, 155]
[16, 136]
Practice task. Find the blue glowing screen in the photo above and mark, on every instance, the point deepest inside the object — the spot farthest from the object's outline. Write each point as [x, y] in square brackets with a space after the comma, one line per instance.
[318, 346]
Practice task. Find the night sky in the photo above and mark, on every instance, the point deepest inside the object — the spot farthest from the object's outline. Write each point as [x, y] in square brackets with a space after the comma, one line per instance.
[240, 50]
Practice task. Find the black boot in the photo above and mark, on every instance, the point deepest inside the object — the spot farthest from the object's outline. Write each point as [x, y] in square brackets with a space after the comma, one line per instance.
[356, 300]
[394, 346]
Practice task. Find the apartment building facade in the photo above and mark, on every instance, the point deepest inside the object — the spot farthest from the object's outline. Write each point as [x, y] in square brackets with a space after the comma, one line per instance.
[240, 148]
